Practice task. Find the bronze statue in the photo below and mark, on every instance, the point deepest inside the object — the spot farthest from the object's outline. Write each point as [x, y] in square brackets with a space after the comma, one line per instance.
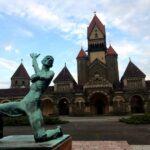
[30, 104]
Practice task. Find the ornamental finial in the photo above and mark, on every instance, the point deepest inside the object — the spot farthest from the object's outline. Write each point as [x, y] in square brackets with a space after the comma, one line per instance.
[129, 59]
[94, 12]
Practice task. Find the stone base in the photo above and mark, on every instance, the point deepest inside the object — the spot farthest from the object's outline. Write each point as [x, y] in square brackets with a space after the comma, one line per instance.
[26, 142]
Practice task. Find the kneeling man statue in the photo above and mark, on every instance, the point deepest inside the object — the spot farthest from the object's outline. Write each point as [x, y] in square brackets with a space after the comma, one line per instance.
[30, 104]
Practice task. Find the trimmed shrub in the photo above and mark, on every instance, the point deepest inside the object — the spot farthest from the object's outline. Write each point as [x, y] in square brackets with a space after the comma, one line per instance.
[137, 119]
[23, 121]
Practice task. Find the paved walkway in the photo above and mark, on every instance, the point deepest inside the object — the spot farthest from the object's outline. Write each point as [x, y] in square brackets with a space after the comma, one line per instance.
[92, 119]
[106, 145]
[101, 128]
[101, 145]
[140, 147]
[96, 131]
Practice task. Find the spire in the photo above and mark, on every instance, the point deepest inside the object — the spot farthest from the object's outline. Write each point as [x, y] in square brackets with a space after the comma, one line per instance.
[98, 23]
[111, 51]
[81, 54]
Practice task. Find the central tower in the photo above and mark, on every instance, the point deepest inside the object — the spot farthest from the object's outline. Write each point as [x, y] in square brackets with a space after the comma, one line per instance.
[100, 60]
[96, 40]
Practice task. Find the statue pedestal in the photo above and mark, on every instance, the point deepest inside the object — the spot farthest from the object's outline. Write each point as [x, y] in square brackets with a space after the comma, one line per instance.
[27, 142]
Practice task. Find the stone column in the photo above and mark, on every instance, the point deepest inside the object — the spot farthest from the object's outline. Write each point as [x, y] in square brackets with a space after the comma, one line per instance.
[147, 107]
[70, 109]
[111, 109]
[128, 107]
[55, 109]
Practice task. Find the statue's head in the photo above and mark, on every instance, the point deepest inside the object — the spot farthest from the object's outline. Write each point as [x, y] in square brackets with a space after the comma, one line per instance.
[48, 61]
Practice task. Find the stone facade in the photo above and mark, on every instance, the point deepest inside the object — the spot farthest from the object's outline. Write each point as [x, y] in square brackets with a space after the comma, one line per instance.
[98, 90]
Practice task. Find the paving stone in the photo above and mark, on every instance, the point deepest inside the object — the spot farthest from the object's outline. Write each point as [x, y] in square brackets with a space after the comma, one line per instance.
[140, 147]
[101, 145]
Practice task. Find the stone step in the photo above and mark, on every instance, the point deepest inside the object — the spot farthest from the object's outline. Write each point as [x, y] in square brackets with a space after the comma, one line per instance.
[101, 145]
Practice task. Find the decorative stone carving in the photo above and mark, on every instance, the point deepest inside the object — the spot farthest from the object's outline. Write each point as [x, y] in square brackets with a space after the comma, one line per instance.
[98, 82]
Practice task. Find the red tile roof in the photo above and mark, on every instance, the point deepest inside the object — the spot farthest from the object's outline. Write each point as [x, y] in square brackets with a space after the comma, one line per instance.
[111, 51]
[21, 72]
[98, 23]
[81, 54]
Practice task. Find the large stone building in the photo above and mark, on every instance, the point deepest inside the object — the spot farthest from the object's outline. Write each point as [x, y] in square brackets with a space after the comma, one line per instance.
[98, 90]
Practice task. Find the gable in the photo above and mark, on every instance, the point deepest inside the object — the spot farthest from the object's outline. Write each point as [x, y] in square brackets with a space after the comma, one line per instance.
[97, 67]
[21, 72]
[64, 76]
[96, 33]
[100, 55]
[96, 21]
[133, 71]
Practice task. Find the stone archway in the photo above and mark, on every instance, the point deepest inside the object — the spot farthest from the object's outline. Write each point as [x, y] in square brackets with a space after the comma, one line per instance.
[63, 106]
[47, 107]
[99, 103]
[137, 104]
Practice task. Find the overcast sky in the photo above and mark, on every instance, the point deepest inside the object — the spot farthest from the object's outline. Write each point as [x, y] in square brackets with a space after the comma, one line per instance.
[59, 28]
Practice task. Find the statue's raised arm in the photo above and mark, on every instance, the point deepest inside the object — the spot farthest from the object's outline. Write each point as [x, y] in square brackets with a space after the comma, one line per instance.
[34, 56]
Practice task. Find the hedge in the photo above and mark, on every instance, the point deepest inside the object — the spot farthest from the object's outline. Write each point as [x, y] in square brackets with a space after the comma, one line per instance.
[23, 121]
[137, 119]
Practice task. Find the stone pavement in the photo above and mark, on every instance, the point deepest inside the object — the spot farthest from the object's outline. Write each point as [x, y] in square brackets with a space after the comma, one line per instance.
[107, 145]
[96, 128]
[95, 131]
[92, 119]
[140, 147]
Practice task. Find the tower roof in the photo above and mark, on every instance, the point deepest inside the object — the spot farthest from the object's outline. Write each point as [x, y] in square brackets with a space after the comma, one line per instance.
[98, 23]
[21, 72]
[81, 54]
[64, 75]
[111, 51]
[133, 71]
